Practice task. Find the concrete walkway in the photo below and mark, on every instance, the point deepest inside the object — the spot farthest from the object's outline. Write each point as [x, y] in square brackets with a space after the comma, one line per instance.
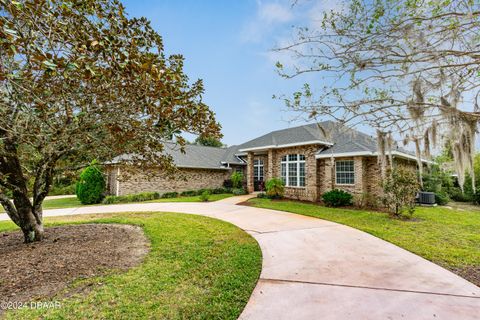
[315, 269]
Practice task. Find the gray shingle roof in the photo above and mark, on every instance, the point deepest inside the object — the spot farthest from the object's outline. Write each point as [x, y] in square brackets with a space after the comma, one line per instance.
[343, 138]
[196, 156]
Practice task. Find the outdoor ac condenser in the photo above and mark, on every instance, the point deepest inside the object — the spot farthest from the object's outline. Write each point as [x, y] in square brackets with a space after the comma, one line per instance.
[426, 198]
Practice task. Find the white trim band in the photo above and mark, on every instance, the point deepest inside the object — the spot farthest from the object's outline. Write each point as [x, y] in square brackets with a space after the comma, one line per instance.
[279, 146]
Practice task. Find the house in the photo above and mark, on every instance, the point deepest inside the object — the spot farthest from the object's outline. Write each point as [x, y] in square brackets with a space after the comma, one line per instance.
[310, 159]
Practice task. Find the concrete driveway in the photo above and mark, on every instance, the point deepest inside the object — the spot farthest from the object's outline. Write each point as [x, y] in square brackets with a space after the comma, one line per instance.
[316, 269]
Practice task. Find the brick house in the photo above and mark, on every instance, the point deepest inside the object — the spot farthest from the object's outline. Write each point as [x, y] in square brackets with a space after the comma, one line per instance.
[308, 159]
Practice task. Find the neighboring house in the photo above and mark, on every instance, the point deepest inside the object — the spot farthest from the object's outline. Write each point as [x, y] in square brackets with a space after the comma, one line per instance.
[310, 161]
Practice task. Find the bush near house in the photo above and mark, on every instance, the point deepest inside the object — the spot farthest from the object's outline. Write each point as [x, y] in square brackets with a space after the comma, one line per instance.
[205, 196]
[237, 178]
[238, 191]
[400, 189]
[337, 198]
[139, 197]
[275, 188]
[91, 185]
[169, 195]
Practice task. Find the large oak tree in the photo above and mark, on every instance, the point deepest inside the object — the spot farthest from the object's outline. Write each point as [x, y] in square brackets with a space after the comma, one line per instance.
[409, 68]
[79, 80]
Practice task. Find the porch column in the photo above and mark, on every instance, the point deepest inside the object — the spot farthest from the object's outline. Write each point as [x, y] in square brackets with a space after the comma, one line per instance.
[250, 186]
[270, 165]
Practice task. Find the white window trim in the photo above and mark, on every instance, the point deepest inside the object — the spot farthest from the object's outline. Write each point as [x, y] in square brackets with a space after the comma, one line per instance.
[298, 162]
[354, 176]
[256, 169]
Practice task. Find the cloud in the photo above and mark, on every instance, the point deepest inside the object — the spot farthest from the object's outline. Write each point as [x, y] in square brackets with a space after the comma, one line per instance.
[268, 16]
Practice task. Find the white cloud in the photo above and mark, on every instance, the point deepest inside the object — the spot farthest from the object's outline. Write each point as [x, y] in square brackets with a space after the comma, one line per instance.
[268, 16]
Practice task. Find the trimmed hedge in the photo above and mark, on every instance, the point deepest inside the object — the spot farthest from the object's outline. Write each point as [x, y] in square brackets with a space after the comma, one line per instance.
[337, 198]
[139, 197]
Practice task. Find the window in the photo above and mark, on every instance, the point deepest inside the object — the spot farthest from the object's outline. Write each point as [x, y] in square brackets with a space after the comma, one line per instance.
[258, 170]
[293, 170]
[345, 172]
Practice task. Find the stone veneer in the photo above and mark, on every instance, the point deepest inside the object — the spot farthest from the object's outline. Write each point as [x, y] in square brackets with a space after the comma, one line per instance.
[122, 183]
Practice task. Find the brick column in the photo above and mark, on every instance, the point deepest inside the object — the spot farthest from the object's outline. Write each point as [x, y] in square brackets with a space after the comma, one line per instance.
[360, 175]
[329, 174]
[250, 186]
[270, 165]
[311, 174]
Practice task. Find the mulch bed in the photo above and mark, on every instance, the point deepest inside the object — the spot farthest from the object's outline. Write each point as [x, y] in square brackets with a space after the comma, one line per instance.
[471, 273]
[43, 269]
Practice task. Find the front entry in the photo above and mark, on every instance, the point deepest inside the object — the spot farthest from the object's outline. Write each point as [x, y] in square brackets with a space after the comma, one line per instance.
[258, 183]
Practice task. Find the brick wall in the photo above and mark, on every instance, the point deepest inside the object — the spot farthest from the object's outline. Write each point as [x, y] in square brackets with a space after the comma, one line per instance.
[309, 192]
[152, 180]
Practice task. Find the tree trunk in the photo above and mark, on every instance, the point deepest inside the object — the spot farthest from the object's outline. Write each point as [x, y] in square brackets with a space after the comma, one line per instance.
[29, 218]
[31, 225]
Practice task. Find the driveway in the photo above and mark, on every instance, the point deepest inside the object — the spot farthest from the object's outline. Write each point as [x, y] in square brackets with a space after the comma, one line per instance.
[316, 269]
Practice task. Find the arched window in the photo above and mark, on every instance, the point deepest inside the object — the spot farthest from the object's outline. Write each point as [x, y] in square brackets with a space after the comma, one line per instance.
[293, 170]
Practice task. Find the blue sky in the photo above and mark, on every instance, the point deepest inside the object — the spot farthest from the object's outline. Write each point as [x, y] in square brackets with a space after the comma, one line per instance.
[228, 43]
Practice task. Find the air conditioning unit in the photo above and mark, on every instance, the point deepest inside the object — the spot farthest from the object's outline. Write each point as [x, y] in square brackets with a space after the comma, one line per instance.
[427, 198]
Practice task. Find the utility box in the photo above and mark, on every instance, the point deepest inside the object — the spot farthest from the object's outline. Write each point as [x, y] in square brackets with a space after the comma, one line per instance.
[427, 198]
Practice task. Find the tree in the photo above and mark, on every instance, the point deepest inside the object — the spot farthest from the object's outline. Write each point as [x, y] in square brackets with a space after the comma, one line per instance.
[79, 80]
[400, 189]
[408, 68]
[208, 141]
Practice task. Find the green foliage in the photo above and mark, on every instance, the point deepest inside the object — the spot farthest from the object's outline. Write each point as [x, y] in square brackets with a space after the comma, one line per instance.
[441, 199]
[208, 141]
[91, 185]
[400, 189]
[238, 191]
[188, 193]
[169, 195]
[337, 198]
[262, 195]
[139, 197]
[237, 178]
[205, 196]
[275, 188]
[64, 190]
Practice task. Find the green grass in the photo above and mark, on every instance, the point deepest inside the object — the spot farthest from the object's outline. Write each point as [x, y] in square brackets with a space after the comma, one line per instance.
[198, 268]
[450, 238]
[74, 202]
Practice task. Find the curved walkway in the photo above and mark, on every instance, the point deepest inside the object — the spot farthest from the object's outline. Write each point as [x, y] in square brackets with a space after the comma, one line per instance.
[316, 269]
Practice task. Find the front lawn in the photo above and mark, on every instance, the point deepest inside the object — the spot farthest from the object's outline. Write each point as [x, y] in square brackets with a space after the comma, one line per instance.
[74, 202]
[197, 268]
[450, 238]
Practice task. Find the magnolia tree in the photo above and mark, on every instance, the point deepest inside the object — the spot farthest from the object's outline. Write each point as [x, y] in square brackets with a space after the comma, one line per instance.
[408, 68]
[79, 80]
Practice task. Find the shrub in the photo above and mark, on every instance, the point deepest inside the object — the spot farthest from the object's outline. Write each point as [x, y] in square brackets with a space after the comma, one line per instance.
[169, 195]
[275, 188]
[228, 184]
[238, 191]
[60, 191]
[441, 198]
[189, 193]
[237, 178]
[476, 198]
[139, 197]
[337, 198]
[220, 190]
[91, 185]
[262, 195]
[457, 195]
[205, 196]
[400, 190]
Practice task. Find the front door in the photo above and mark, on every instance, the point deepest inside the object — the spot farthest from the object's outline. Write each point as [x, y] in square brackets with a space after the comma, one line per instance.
[258, 175]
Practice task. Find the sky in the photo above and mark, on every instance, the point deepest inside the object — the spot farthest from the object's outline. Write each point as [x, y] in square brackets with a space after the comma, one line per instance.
[228, 44]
